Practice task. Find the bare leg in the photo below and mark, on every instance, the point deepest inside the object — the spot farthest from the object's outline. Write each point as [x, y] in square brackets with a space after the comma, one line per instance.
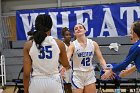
[77, 90]
[91, 88]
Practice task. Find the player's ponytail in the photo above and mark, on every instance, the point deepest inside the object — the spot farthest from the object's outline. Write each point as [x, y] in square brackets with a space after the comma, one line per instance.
[43, 24]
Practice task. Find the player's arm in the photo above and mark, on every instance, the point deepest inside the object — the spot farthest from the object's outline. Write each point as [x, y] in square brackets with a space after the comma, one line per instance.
[126, 72]
[26, 66]
[70, 51]
[130, 57]
[63, 56]
[99, 55]
[121, 66]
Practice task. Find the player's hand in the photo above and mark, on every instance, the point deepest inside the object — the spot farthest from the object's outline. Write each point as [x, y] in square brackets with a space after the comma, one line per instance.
[109, 74]
[62, 72]
[126, 72]
[123, 73]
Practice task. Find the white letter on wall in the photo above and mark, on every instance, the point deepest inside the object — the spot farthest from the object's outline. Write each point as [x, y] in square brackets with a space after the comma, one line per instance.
[65, 21]
[26, 24]
[109, 22]
[130, 15]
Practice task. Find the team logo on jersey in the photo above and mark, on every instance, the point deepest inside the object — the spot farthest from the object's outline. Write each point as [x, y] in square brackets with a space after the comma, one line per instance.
[84, 54]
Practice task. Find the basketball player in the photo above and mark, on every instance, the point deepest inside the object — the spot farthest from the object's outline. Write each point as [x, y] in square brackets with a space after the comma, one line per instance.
[133, 55]
[67, 36]
[83, 76]
[41, 55]
[66, 73]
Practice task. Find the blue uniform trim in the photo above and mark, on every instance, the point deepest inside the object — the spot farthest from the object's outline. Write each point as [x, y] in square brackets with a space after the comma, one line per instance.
[73, 81]
[133, 55]
[62, 84]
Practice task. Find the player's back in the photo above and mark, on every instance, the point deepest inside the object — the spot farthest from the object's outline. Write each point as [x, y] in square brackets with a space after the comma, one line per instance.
[45, 60]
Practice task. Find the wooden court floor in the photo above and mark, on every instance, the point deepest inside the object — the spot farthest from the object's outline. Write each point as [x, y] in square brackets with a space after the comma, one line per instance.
[9, 89]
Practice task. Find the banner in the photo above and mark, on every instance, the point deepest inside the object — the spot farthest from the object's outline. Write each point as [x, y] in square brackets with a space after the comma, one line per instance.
[109, 20]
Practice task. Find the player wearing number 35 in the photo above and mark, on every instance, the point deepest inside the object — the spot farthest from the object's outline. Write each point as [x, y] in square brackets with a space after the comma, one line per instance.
[82, 50]
[41, 59]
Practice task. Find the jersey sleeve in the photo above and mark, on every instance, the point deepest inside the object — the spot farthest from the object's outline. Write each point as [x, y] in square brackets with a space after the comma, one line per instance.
[130, 57]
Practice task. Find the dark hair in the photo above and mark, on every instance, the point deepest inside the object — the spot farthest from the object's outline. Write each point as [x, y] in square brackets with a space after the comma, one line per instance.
[30, 33]
[64, 31]
[136, 27]
[43, 24]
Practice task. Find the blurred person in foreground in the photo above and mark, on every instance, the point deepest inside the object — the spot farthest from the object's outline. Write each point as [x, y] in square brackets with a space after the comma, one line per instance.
[133, 55]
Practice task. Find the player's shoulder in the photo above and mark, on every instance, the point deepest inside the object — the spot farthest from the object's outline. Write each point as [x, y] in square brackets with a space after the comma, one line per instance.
[59, 43]
[91, 41]
[138, 43]
[28, 44]
[138, 47]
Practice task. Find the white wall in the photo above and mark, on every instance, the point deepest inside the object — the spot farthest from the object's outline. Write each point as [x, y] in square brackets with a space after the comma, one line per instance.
[10, 6]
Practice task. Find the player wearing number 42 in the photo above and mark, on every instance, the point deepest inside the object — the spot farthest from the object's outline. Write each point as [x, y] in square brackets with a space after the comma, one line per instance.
[83, 76]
